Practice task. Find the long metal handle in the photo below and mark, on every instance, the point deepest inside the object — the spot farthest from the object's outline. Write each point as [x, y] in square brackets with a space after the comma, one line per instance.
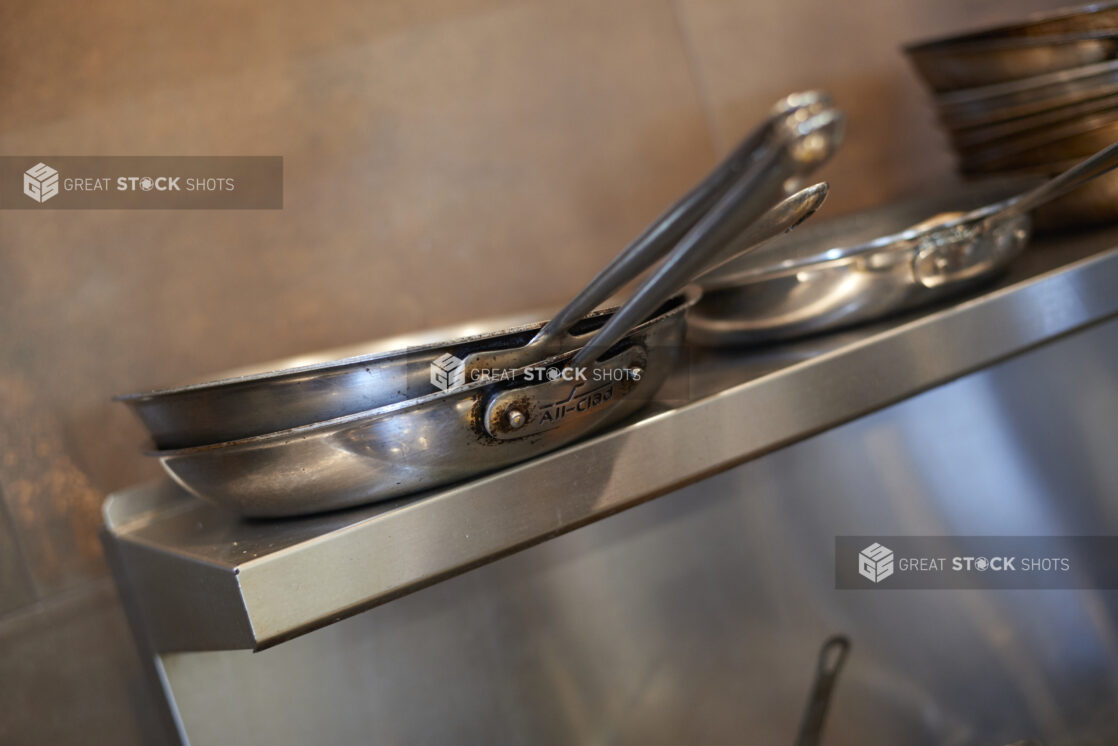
[656, 240]
[831, 657]
[782, 218]
[1079, 174]
[798, 147]
[670, 227]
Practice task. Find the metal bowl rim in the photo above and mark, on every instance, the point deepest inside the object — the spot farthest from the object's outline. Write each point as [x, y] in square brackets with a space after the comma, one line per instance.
[993, 30]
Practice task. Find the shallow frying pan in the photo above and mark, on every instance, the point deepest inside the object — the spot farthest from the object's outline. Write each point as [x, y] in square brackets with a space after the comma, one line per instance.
[442, 437]
[521, 408]
[435, 439]
[851, 270]
[801, 132]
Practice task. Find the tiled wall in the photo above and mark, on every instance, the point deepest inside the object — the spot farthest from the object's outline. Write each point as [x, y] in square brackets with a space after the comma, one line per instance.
[444, 160]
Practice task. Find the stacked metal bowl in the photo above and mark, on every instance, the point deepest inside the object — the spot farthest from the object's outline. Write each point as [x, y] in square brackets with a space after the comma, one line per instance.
[1031, 98]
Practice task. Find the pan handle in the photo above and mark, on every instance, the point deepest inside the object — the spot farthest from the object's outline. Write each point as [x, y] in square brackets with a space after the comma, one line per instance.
[999, 231]
[1079, 174]
[831, 658]
[565, 397]
[796, 148]
[965, 254]
[666, 232]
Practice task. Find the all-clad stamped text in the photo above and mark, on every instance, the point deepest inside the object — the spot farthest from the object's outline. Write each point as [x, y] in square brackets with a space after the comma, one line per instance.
[584, 402]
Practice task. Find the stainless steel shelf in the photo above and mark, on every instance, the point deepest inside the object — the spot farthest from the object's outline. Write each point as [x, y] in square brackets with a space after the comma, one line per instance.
[200, 578]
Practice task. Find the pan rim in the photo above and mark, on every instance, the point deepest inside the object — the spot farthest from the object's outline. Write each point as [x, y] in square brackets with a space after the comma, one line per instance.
[227, 380]
[996, 193]
[683, 301]
[1008, 43]
[994, 30]
[950, 100]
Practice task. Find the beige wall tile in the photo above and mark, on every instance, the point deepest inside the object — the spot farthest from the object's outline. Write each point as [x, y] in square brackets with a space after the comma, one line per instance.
[116, 50]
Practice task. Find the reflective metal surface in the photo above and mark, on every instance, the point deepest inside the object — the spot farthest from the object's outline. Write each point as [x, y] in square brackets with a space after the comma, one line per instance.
[695, 234]
[949, 66]
[858, 267]
[1023, 100]
[288, 393]
[431, 440]
[1020, 148]
[1062, 40]
[1072, 20]
[987, 105]
[205, 579]
[1077, 140]
[697, 617]
[828, 279]
[1094, 204]
[1034, 124]
[703, 228]
[392, 440]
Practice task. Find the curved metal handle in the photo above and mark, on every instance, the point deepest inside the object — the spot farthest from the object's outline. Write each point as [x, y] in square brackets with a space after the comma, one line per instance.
[558, 396]
[781, 219]
[659, 238]
[970, 247]
[798, 146]
[672, 225]
[832, 656]
[1076, 176]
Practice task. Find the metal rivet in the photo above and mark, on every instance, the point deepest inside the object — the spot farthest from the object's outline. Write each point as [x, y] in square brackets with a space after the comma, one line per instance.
[515, 419]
